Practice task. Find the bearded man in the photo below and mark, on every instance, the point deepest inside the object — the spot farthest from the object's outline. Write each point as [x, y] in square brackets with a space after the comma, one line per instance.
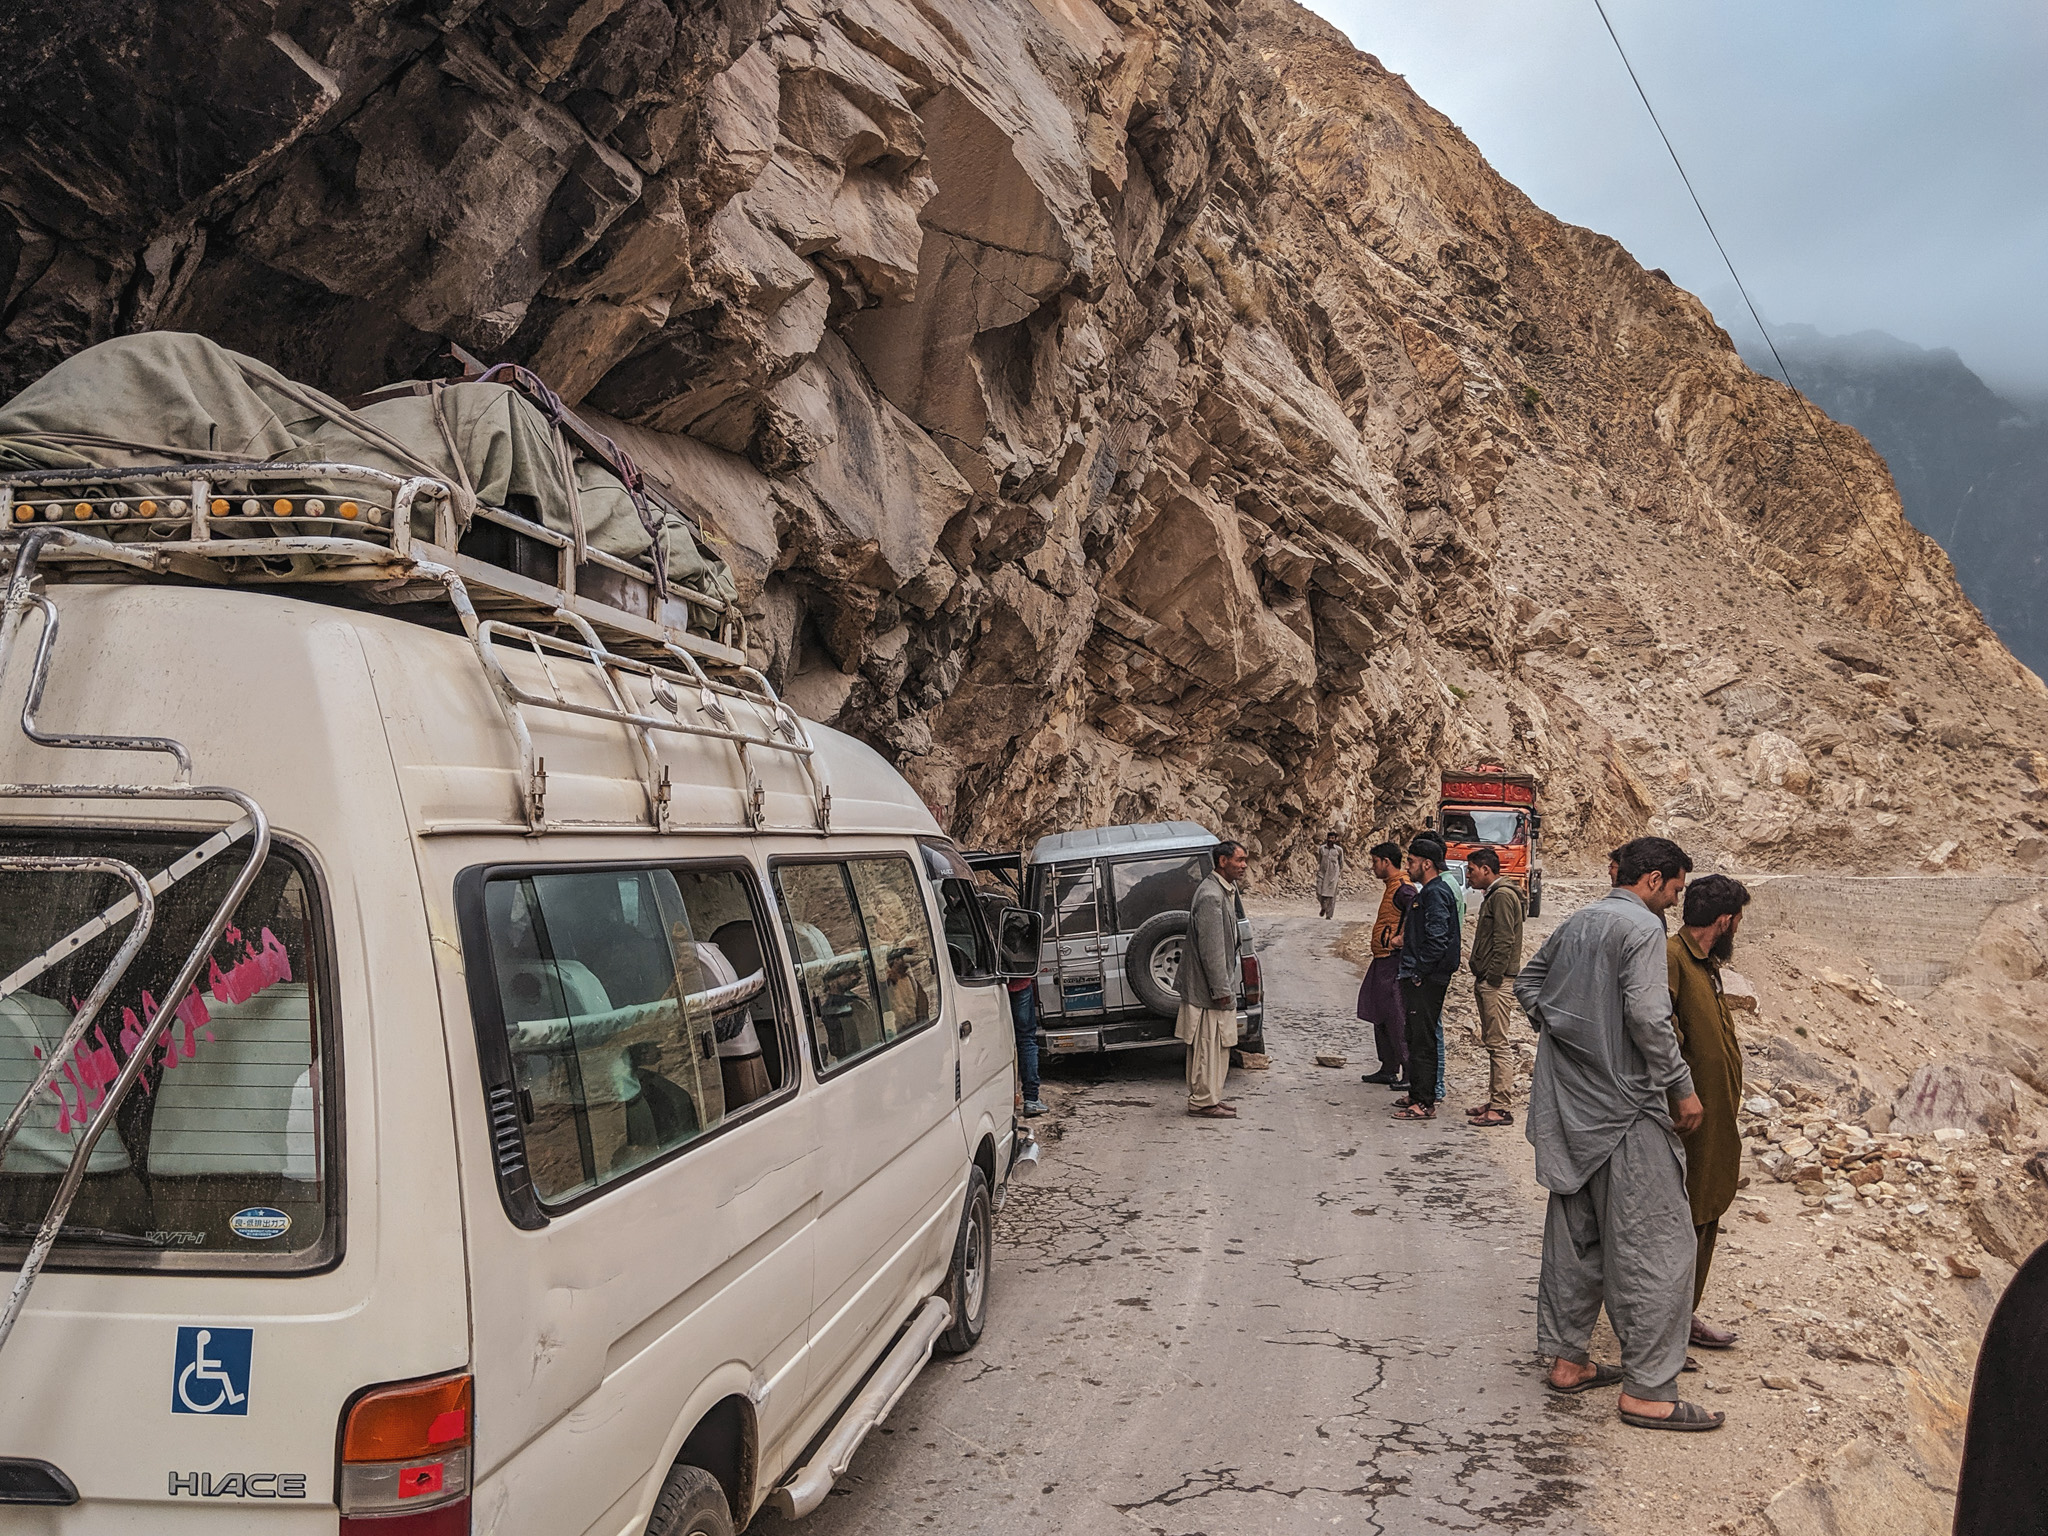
[1706, 1037]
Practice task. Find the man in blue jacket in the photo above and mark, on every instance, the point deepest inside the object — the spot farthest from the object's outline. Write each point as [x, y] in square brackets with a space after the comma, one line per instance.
[1430, 947]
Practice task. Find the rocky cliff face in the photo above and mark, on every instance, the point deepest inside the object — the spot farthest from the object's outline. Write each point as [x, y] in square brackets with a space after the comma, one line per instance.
[1113, 408]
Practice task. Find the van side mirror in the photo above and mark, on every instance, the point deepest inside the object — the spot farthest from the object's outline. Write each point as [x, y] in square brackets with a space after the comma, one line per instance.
[1018, 941]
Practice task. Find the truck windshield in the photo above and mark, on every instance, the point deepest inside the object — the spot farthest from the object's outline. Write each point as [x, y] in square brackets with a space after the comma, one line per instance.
[1497, 827]
[219, 1148]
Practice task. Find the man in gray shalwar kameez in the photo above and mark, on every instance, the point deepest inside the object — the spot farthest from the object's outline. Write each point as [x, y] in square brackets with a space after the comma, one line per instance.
[1610, 1086]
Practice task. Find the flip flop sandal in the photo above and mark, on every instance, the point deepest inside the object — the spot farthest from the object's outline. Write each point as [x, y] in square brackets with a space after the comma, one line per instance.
[1686, 1419]
[1603, 1376]
[1492, 1118]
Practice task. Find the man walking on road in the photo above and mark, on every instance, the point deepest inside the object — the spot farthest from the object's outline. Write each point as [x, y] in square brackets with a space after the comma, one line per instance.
[1329, 870]
[1496, 957]
[1379, 995]
[1611, 1097]
[1429, 959]
[1706, 1035]
[1209, 973]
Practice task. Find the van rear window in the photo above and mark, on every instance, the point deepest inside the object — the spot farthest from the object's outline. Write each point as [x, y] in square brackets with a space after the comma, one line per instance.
[222, 1147]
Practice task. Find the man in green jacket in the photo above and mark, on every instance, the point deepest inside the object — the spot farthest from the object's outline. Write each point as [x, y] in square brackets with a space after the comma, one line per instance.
[1496, 957]
[1707, 1039]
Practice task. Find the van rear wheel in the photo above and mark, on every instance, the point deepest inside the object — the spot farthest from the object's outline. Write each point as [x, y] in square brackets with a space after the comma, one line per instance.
[973, 1257]
[690, 1504]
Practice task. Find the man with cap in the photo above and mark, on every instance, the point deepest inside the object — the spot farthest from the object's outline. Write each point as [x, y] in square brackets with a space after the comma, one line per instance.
[1430, 947]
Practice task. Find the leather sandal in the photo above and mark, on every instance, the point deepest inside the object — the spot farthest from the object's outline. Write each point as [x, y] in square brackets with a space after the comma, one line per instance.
[1416, 1112]
[1491, 1117]
[1685, 1419]
[1214, 1112]
[1603, 1376]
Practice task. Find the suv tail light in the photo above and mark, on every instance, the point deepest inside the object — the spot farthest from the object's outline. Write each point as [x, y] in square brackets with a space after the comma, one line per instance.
[1254, 982]
[405, 1453]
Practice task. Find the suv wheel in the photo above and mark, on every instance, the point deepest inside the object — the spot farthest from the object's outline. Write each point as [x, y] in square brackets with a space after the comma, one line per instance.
[1152, 962]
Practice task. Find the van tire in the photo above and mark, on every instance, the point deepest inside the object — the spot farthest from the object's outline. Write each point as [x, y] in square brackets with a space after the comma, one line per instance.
[690, 1504]
[967, 1282]
[1152, 933]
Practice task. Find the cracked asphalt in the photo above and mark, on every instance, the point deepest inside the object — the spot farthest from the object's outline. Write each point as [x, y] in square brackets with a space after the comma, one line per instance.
[1311, 1318]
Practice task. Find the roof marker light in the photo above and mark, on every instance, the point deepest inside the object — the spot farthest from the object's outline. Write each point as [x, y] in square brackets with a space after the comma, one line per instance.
[145, 509]
[178, 507]
[218, 507]
[82, 511]
[23, 512]
[348, 509]
[282, 506]
[53, 511]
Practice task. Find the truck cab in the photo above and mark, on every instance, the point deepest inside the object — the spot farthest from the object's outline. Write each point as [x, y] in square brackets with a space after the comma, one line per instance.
[1488, 807]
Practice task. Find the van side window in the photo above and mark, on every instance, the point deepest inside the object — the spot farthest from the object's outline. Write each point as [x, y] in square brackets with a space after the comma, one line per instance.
[900, 937]
[607, 1005]
[968, 947]
[753, 1052]
[863, 950]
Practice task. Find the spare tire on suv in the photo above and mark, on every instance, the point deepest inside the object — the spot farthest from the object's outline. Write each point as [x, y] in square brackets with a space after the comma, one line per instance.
[1152, 962]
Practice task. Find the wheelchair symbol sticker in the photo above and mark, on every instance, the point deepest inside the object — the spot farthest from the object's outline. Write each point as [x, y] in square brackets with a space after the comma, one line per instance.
[211, 1374]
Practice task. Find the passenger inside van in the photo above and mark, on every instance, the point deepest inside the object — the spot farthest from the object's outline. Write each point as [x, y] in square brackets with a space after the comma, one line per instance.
[741, 1061]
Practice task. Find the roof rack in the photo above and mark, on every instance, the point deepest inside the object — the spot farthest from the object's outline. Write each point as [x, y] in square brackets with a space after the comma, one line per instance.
[211, 523]
[77, 524]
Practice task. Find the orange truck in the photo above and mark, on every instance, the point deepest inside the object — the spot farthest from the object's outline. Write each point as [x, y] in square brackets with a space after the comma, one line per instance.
[1488, 807]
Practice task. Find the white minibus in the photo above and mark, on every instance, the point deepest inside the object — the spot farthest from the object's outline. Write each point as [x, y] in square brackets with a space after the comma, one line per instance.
[499, 1072]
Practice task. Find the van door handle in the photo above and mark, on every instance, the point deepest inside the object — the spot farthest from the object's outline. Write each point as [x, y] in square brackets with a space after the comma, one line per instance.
[966, 1028]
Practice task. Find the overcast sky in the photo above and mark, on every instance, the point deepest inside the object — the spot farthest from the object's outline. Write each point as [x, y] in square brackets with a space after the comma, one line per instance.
[1871, 164]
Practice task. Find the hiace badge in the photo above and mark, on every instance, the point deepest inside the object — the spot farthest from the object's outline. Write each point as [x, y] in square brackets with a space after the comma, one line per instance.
[211, 1374]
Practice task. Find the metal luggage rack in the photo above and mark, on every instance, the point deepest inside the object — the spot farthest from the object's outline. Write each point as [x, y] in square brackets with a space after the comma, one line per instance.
[212, 523]
[64, 520]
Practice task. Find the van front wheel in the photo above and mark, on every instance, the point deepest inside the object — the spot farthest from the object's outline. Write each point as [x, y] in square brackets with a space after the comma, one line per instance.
[973, 1257]
[690, 1504]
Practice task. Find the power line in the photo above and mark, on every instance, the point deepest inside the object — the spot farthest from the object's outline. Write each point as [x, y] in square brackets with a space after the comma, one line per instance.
[1806, 404]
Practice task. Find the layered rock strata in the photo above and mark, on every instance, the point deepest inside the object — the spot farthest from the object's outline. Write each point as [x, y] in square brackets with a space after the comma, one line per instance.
[1114, 409]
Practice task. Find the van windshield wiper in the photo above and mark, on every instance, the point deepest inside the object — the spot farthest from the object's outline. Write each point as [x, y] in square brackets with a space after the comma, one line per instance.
[21, 1231]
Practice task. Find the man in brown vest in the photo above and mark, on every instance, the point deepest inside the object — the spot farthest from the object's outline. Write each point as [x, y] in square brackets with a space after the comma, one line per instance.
[1706, 1036]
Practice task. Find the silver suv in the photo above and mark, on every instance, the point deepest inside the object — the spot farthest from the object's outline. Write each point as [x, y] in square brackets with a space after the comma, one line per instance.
[1115, 902]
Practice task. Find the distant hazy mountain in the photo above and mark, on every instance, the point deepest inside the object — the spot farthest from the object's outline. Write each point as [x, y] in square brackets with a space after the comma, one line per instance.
[1971, 466]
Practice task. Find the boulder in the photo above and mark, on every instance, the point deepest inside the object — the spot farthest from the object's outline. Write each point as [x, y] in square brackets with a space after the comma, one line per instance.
[1959, 1094]
[1778, 762]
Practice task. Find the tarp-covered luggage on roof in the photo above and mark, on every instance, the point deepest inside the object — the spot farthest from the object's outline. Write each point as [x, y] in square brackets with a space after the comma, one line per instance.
[167, 397]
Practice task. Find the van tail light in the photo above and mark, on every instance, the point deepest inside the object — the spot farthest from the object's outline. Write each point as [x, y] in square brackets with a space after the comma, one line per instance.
[405, 1459]
[1254, 982]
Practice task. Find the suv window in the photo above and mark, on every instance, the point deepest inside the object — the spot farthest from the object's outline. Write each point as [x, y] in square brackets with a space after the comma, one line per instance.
[607, 1009]
[223, 1146]
[864, 953]
[1144, 888]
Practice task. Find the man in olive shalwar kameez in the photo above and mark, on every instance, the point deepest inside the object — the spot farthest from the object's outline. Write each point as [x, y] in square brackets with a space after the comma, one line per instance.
[1706, 1034]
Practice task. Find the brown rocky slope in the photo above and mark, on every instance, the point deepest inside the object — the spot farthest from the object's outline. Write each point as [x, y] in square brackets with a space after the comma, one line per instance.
[1113, 410]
